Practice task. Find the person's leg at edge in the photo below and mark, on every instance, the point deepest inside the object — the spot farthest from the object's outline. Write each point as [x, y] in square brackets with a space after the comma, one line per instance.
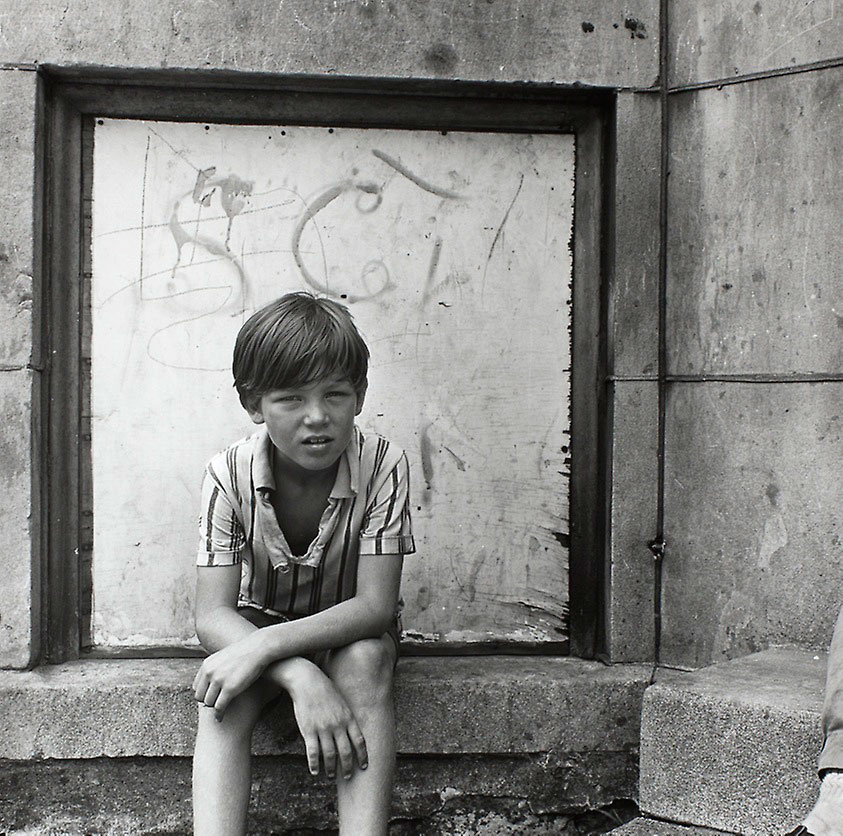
[222, 764]
[363, 674]
[826, 819]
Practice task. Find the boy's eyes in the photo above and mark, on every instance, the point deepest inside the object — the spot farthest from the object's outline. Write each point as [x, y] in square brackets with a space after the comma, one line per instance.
[294, 398]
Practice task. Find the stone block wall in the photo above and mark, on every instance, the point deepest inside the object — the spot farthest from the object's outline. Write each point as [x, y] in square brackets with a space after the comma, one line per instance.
[752, 270]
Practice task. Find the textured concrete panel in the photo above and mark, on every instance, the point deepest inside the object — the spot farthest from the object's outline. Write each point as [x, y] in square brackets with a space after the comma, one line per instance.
[634, 500]
[501, 705]
[17, 162]
[635, 307]
[606, 43]
[537, 796]
[734, 746]
[752, 502]
[19, 590]
[732, 37]
[754, 247]
[653, 827]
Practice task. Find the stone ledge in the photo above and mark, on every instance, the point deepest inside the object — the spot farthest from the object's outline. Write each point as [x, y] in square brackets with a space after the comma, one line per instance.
[734, 746]
[444, 705]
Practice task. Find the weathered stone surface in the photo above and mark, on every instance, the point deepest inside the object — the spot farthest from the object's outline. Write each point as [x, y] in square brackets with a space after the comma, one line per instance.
[17, 162]
[635, 291]
[510, 704]
[652, 827]
[608, 43]
[730, 37]
[499, 705]
[734, 746]
[755, 194]
[456, 795]
[634, 518]
[88, 744]
[19, 595]
[752, 501]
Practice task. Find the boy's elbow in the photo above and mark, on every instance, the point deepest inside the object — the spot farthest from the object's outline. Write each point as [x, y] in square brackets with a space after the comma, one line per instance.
[203, 624]
[199, 626]
[380, 618]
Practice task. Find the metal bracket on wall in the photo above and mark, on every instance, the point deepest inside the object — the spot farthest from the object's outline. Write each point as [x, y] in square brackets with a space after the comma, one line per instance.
[657, 547]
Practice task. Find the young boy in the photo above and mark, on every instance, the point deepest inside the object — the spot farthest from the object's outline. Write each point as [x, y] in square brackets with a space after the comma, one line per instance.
[303, 531]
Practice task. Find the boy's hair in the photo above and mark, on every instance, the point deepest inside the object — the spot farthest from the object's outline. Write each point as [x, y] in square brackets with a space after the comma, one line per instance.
[294, 341]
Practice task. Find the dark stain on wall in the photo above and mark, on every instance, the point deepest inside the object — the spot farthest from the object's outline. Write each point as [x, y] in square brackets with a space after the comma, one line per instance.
[636, 28]
[587, 27]
[441, 59]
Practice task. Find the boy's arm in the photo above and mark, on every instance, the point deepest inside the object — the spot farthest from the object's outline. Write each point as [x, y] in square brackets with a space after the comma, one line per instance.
[236, 665]
[321, 712]
[368, 614]
[219, 625]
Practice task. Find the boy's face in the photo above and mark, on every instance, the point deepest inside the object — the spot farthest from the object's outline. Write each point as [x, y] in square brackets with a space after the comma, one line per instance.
[310, 425]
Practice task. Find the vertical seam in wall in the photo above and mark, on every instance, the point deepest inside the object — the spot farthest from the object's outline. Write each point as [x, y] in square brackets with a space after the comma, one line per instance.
[657, 545]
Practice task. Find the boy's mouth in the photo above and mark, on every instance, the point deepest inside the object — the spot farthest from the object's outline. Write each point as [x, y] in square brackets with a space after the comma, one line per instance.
[316, 440]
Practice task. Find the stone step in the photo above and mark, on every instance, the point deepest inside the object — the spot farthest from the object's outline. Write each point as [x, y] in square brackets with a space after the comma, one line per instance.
[734, 746]
[521, 744]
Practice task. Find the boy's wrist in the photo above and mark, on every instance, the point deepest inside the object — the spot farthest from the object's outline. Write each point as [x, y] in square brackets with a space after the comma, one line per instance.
[292, 674]
[259, 647]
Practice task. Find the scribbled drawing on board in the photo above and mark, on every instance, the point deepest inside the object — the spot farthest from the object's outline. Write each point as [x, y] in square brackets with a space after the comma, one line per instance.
[195, 232]
[373, 267]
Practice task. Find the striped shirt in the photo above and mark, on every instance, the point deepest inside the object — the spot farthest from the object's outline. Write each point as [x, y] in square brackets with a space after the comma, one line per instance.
[368, 512]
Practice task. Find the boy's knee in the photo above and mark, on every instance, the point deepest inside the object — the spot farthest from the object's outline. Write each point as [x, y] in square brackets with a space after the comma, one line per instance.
[241, 715]
[363, 670]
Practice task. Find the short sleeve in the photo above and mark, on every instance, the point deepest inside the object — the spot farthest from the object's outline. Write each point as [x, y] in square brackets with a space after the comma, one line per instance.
[221, 535]
[387, 527]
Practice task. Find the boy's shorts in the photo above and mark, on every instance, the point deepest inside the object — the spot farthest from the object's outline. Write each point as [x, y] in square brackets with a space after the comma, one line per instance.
[264, 619]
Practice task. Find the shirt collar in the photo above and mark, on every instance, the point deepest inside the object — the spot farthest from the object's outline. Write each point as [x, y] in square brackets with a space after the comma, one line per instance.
[346, 482]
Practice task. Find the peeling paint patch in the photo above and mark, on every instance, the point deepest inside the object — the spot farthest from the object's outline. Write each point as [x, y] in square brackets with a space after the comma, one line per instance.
[562, 538]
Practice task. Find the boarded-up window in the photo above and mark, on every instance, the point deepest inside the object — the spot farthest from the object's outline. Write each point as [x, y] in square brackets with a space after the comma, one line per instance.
[452, 251]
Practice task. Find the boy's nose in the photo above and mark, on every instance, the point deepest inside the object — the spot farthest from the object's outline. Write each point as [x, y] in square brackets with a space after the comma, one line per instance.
[316, 414]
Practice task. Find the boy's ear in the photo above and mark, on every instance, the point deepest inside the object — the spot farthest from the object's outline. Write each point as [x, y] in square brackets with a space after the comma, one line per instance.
[361, 396]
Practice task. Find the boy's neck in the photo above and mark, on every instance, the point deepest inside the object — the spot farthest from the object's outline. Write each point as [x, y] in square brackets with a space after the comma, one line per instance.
[289, 474]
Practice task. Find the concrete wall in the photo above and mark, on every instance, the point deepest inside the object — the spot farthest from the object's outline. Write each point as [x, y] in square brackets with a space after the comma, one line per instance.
[753, 491]
[753, 269]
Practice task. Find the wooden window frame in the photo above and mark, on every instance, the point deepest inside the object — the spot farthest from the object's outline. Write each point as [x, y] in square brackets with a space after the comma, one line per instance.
[71, 98]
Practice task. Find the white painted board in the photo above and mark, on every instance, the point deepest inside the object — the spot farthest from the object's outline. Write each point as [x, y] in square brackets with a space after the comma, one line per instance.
[452, 252]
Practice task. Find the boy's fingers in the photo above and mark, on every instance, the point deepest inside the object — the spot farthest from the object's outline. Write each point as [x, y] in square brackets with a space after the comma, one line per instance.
[345, 754]
[329, 755]
[359, 744]
[200, 686]
[311, 747]
[222, 702]
[211, 695]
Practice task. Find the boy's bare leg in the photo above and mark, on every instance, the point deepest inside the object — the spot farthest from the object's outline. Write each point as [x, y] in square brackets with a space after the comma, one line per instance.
[222, 764]
[363, 673]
